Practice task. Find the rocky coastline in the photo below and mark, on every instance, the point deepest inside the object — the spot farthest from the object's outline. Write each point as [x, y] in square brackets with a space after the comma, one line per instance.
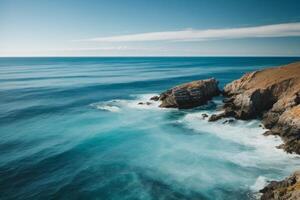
[272, 95]
[288, 188]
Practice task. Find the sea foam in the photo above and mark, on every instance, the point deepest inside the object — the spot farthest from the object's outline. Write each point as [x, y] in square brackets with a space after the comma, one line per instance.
[259, 151]
[141, 101]
[262, 150]
[259, 184]
[108, 108]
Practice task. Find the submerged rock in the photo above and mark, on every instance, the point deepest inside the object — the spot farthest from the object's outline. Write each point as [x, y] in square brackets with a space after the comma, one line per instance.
[228, 121]
[215, 117]
[288, 189]
[204, 115]
[272, 94]
[144, 103]
[190, 95]
[154, 98]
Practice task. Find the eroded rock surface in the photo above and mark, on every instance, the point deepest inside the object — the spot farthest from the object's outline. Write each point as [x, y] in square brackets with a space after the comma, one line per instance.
[288, 127]
[190, 95]
[272, 94]
[288, 189]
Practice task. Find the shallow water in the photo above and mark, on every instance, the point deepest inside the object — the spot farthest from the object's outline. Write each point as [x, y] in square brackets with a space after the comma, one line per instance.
[71, 128]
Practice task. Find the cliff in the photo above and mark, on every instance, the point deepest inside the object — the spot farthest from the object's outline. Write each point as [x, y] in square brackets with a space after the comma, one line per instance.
[287, 189]
[271, 94]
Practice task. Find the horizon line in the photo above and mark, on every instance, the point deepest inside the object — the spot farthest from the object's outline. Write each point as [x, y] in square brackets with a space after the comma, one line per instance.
[145, 56]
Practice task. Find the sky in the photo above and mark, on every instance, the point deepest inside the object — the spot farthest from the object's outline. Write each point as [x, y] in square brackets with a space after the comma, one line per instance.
[149, 28]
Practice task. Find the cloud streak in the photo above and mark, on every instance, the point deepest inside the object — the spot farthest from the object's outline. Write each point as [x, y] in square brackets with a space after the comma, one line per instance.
[274, 30]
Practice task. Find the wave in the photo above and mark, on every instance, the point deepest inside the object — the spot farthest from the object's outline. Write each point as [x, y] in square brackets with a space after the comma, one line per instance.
[259, 184]
[250, 148]
[261, 150]
[141, 101]
[108, 108]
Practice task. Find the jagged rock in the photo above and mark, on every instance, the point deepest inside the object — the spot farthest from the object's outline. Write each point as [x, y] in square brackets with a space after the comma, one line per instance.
[204, 115]
[288, 127]
[226, 113]
[228, 121]
[288, 189]
[267, 133]
[190, 95]
[272, 94]
[215, 117]
[154, 98]
[259, 91]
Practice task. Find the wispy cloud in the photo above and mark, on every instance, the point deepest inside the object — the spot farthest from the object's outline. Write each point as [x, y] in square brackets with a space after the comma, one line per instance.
[274, 30]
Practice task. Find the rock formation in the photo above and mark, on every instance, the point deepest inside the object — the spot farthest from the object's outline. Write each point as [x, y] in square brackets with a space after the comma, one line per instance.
[272, 94]
[189, 95]
[288, 127]
[288, 189]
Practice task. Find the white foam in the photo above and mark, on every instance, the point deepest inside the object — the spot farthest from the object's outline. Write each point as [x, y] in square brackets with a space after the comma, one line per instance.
[262, 152]
[139, 102]
[259, 184]
[170, 153]
[108, 108]
[143, 98]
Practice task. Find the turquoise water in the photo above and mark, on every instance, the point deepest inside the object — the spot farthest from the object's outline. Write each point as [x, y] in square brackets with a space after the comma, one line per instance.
[71, 128]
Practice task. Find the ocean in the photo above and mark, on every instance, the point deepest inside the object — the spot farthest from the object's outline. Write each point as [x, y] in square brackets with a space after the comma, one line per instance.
[72, 128]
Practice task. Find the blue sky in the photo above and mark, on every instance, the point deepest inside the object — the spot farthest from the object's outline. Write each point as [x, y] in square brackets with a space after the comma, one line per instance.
[149, 28]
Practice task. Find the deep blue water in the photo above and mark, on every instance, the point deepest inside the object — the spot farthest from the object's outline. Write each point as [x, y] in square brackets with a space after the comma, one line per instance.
[71, 128]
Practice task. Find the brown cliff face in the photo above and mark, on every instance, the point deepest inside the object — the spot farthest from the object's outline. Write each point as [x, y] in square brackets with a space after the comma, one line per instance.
[272, 94]
[288, 189]
[189, 95]
[288, 127]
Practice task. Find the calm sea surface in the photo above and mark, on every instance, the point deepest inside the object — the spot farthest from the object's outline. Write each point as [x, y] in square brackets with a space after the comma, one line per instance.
[71, 128]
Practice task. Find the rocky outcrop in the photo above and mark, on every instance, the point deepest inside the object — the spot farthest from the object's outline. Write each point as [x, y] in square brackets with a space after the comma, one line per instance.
[271, 94]
[273, 88]
[288, 127]
[288, 189]
[189, 95]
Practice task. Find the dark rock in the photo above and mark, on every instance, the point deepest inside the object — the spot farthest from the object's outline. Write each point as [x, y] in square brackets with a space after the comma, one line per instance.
[228, 121]
[224, 114]
[288, 127]
[204, 115]
[144, 103]
[270, 119]
[287, 189]
[267, 133]
[154, 98]
[190, 95]
[216, 117]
